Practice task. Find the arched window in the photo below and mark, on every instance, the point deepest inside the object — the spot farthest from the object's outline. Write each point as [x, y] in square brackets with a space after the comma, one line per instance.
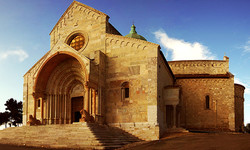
[76, 41]
[207, 102]
[125, 90]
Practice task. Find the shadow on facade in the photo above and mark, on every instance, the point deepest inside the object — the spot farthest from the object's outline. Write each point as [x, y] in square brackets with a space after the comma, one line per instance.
[111, 137]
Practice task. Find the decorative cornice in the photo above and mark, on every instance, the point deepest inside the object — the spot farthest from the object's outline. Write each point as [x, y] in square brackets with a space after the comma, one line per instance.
[182, 61]
[126, 41]
[199, 67]
[205, 63]
[188, 76]
[239, 85]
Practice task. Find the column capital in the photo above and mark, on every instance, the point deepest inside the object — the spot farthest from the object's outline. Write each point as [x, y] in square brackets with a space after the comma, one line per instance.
[34, 95]
[44, 96]
[37, 95]
[86, 84]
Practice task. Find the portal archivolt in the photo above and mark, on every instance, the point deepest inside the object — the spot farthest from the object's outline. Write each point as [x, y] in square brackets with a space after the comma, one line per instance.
[60, 89]
[60, 81]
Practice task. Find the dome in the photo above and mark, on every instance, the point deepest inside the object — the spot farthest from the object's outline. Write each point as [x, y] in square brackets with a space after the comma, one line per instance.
[133, 34]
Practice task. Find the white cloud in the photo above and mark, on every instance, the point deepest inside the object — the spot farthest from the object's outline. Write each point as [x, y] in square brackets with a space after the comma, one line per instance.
[247, 87]
[182, 50]
[246, 47]
[21, 54]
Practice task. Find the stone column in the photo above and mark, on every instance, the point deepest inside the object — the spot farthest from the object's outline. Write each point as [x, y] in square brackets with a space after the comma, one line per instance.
[86, 97]
[65, 108]
[179, 119]
[42, 109]
[34, 108]
[174, 116]
[90, 101]
[34, 97]
[47, 109]
[69, 108]
[50, 108]
[99, 106]
[55, 117]
[60, 108]
[94, 101]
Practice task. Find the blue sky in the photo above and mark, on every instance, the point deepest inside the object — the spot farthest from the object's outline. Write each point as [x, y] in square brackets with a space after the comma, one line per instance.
[185, 29]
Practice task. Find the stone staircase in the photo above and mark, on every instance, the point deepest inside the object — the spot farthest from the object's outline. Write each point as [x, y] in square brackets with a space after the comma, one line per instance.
[176, 130]
[74, 136]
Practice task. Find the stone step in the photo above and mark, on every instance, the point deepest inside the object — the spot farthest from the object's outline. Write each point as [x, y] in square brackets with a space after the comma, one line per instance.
[88, 138]
[74, 135]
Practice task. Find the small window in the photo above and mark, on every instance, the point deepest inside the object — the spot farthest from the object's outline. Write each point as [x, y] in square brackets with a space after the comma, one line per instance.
[38, 103]
[125, 90]
[76, 41]
[207, 102]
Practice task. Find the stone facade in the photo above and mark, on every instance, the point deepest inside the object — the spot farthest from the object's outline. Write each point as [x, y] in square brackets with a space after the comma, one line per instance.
[207, 98]
[239, 106]
[94, 74]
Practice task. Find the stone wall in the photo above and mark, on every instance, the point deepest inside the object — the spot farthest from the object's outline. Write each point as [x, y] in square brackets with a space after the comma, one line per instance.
[143, 130]
[165, 78]
[111, 29]
[133, 61]
[195, 115]
[200, 79]
[78, 18]
[200, 66]
[108, 60]
[239, 106]
[84, 19]
[28, 101]
[99, 59]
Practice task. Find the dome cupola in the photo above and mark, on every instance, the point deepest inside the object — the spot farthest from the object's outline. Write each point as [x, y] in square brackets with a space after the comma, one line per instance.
[133, 34]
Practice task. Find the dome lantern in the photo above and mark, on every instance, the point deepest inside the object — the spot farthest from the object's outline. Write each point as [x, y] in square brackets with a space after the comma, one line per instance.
[133, 34]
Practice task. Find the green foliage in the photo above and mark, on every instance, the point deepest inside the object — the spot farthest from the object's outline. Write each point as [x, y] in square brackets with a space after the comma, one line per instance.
[15, 110]
[4, 117]
[247, 128]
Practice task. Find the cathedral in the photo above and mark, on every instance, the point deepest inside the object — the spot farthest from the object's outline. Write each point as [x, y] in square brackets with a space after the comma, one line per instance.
[94, 74]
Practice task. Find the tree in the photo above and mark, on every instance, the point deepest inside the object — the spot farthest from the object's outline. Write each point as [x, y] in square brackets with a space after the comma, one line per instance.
[248, 128]
[4, 118]
[15, 110]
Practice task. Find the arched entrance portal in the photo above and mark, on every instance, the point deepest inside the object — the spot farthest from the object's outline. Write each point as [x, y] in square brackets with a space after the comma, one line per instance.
[61, 88]
[76, 107]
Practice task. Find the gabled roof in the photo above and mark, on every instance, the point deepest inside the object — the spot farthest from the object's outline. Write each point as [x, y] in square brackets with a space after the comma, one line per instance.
[81, 4]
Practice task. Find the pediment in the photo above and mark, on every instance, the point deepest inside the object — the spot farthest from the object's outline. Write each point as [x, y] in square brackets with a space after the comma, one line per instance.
[68, 15]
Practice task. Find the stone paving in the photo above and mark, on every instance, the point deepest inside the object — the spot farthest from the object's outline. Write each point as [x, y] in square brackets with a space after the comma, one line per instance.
[196, 141]
[173, 141]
